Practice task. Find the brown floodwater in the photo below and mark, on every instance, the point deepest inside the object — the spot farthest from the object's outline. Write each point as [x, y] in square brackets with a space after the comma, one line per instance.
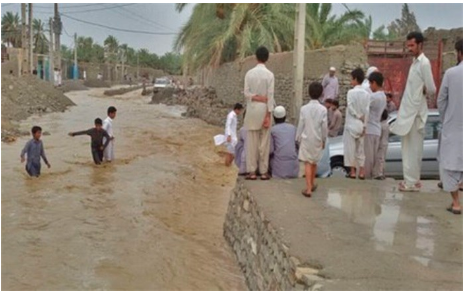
[152, 220]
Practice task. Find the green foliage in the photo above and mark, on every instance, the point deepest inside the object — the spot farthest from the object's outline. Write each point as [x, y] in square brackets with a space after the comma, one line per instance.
[39, 37]
[399, 28]
[218, 33]
[11, 29]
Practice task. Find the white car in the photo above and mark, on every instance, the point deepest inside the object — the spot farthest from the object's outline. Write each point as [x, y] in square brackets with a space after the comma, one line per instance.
[162, 83]
[393, 161]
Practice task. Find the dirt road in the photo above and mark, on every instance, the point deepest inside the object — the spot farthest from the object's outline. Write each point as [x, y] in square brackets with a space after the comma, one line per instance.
[152, 220]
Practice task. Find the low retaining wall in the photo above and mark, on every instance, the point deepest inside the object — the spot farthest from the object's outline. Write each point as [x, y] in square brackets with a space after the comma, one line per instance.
[121, 91]
[264, 259]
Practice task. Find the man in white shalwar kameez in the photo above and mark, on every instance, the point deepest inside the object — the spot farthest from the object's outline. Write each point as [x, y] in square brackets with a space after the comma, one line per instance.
[259, 94]
[450, 106]
[312, 135]
[357, 113]
[412, 114]
[108, 154]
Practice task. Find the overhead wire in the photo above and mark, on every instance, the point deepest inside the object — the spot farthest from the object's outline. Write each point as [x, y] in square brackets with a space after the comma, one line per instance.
[116, 29]
[146, 19]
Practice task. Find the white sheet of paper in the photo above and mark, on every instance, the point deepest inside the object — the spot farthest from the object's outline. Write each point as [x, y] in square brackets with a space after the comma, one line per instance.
[219, 139]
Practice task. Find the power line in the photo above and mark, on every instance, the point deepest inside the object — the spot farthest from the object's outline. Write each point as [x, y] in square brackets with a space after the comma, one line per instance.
[138, 19]
[117, 29]
[91, 10]
[70, 6]
[148, 20]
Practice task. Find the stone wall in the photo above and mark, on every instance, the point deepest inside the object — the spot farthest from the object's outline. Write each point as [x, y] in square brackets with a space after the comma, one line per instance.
[263, 258]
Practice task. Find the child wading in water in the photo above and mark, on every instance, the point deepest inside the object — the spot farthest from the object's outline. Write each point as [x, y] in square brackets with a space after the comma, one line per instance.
[96, 134]
[34, 150]
[312, 135]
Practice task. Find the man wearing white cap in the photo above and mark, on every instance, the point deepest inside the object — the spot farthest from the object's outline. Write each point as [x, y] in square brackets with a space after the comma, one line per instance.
[330, 84]
[283, 153]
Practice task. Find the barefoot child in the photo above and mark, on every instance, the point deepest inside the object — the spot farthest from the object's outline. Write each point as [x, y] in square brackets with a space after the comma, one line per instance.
[96, 134]
[34, 150]
[312, 135]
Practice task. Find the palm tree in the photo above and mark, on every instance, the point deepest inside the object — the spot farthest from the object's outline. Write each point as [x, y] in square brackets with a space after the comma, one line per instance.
[217, 33]
[40, 40]
[11, 29]
[111, 47]
[208, 39]
[323, 30]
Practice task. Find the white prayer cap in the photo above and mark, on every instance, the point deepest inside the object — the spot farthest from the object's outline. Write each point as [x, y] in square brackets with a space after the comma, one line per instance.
[370, 71]
[332, 69]
[279, 112]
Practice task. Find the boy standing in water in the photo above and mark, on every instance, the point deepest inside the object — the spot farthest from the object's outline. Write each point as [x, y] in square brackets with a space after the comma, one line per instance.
[34, 150]
[96, 134]
[108, 126]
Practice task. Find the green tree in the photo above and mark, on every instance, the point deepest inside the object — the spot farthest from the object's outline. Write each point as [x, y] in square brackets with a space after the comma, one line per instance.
[171, 63]
[404, 25]
[84, 48]
[111, 48]
[324, 29]
[67, 53]
[217, 33]
[98, 53]
[40, 39]
[211, 37]
[11, 29]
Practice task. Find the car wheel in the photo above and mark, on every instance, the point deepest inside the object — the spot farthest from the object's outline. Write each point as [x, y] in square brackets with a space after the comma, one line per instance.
[339, 170]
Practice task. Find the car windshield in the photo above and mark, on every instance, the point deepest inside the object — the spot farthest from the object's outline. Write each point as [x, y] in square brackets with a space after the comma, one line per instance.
[161, 81]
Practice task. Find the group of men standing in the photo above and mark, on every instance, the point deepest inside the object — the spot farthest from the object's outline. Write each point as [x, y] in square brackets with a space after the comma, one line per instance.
[365, 134]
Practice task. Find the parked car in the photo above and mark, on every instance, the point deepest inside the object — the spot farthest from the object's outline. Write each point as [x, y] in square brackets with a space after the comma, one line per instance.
[393, 161]
[162, 83]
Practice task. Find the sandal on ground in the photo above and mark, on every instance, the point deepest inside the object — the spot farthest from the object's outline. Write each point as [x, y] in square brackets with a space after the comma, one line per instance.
[314, 188]
[362, 177]
[403, 188]
[381, 177]
[265, 177]
[303, 192]
[454, 211]
[251, 177]
[351, 176]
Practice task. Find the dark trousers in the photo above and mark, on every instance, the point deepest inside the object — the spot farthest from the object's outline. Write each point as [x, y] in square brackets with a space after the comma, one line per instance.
[97, 155]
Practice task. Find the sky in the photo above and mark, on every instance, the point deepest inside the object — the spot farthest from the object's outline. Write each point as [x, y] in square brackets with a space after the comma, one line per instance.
[163, 18]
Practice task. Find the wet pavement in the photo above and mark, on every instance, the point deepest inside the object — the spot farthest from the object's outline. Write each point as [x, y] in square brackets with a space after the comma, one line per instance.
[366, 235]
[152, 220]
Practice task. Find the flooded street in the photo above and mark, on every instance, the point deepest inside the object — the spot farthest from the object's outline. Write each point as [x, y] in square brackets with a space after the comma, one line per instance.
[152, 220]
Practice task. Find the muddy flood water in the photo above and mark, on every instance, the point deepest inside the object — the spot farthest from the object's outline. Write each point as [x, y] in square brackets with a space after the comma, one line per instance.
[152, 220]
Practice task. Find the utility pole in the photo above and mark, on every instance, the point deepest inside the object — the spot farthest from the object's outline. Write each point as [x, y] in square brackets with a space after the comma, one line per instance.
[31, 41]
[24, 53]
[51, 56]
[123, 59]
[298, 60]
[75, 69]
[57, 30]
[138, 68]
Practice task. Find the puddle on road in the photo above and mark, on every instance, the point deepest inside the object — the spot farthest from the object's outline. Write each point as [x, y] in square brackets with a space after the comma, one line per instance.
[152, 220]
[386, 221]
